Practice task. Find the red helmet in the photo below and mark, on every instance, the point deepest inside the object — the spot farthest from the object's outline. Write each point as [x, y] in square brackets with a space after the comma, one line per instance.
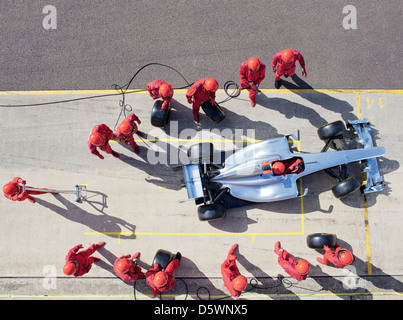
[160, 279]
[345, 257]
[239, 283]
[10, 189]
[123, 265]
[253, 64]
[302, 266]
[287, 56]
[210, 84]
[166, 91]
[126, 127]
[70, 267]
[96, 139]
[278, 167]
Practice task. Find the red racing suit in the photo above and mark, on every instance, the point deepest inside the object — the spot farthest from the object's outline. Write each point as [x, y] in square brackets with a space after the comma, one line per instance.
[230, 271]
[287, 69]
[287, 262]
[83, 258]
[153, 88]
[331, 256]
[128, 138]
[199, 95]
[248, 77]
[21, 195]
[150, 274]
[107, 133]
[134, 272]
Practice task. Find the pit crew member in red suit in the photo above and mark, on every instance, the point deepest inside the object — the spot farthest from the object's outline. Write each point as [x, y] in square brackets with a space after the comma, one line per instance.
[127, 269]
[161, 89]
[233, 280]
[78, 264]
[201, 91]
[15, 192]
[161, 280]
[252, 73]
[286, 60]
[99, 138]
[126, 129]
[297, 269]
[340, 257]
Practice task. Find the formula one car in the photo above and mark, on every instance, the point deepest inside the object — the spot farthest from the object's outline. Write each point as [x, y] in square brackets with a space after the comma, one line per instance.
[248, 175]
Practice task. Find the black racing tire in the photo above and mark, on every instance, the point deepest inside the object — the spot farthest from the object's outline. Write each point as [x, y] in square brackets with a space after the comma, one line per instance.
[201, 153]
[345, 188]
[210, 212]
[163, 258]
[160, 118]
[331, 130]
[318, 240]
[214, 113]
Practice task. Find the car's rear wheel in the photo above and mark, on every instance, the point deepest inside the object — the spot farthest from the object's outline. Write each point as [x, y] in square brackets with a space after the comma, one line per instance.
[201, 153]
[345, 188]
[331, 130]
[318, 240]
[209, 212]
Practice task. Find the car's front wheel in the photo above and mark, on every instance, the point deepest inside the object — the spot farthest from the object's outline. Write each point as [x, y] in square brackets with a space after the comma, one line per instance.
[345, 188]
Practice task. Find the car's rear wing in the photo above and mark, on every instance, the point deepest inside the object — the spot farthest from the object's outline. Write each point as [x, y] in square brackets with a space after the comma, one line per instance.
[193, 181]
[374, 180]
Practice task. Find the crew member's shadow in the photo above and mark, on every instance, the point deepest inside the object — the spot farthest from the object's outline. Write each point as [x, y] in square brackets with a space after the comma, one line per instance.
[264, 284]
[337, 287]
[156, 164]
[320, 98]
[378, 278]
[104, 223]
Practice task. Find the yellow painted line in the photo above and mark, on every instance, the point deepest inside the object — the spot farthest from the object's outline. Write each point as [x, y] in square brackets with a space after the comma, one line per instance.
[144, 91]
[365, 206]
[359, 105]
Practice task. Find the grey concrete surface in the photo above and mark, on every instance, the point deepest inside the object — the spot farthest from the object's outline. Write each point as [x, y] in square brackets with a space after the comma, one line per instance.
[101, 43]
[134, 204]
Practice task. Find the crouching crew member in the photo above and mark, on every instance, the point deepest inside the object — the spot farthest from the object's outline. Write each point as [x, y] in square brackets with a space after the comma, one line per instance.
[297, 269]
[233, 280]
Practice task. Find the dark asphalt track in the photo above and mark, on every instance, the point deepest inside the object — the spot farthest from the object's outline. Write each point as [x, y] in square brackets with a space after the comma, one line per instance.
[99, 43]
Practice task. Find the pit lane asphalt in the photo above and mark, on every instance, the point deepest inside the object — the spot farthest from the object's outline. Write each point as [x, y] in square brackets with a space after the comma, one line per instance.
[136, 206]
[99, 44]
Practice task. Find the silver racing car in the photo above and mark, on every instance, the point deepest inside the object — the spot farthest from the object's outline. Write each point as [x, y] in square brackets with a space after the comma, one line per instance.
[269, 170]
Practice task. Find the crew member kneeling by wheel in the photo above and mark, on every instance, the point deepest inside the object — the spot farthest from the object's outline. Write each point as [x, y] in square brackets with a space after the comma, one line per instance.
[127, 269]
[340, 257]
[161, 280]
[201, 91]
[161, 89]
